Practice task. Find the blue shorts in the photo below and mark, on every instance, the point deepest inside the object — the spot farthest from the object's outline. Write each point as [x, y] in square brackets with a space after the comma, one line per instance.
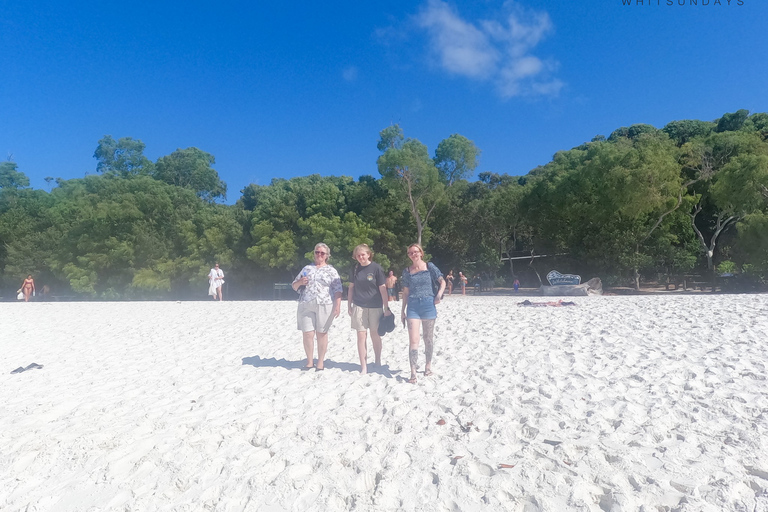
[421, 309]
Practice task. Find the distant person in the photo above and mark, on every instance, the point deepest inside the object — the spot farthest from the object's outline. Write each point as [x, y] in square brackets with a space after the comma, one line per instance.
[463, 282]
[477, 283]
[215, 280]
[516, 285]
[391, 286]
[28, 288]
[319, 287]
[557, 303]
[423, 287]
[367, 303]
[449, 279]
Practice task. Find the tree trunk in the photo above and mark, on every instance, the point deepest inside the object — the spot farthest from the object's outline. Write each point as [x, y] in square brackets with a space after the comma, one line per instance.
[709, 249]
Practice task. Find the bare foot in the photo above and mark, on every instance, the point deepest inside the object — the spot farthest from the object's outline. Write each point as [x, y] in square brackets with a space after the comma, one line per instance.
[363, 370]
[412, 380]
[427, 373]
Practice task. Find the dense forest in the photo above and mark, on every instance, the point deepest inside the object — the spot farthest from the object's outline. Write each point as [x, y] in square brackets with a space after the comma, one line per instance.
[638, 205]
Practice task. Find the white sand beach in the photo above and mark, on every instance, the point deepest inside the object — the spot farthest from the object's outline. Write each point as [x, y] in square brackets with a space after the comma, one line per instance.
[651, 403]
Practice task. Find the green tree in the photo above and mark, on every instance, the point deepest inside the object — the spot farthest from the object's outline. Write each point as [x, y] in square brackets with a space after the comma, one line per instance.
[456, 158]
[10, 178]
[732, 121]
[685, 131]
[191, 168]
[405, 166]
[721, 155]
[123, 157]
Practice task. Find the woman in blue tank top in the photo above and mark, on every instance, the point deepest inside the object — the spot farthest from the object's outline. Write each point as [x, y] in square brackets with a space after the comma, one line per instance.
[423, 287]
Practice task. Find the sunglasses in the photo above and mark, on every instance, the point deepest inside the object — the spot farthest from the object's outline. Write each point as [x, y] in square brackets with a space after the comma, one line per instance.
[321, 253]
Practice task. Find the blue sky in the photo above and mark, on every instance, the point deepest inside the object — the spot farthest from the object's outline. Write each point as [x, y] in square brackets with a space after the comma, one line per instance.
[276, 89]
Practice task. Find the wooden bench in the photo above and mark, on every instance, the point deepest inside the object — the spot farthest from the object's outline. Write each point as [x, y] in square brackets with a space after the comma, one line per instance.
[675, 281]
[703, 285]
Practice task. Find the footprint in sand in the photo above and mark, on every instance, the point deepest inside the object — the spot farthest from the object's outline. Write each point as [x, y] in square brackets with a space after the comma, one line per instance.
[480, 469]
[308, 497]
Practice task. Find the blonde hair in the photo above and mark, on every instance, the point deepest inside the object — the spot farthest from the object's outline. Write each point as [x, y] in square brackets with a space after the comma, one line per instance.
[420, 248]
[362, 247]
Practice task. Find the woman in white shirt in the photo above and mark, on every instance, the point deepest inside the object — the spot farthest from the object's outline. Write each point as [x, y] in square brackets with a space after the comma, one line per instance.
[319, 287]
[215, 280]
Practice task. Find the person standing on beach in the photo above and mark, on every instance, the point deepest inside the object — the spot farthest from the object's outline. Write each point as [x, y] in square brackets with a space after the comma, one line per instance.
[319, 287]
[449, 278]
[215, 280]
[463, 282]
[391, 286]
[423, 287]
[367, 303]
[516, 285]
[28, 287]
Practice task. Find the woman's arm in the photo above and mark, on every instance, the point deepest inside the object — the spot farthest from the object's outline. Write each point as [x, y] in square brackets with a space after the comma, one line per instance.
[385, 299]
[440, 291]
[300, 280]
[337, 305]
[406, 292]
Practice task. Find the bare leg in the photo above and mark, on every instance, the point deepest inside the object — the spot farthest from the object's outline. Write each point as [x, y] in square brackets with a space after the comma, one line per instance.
[362, 349]
[429, 344]
[221, 295]
[309, 347]
[376, 340]
[414, 326]
[322, 348]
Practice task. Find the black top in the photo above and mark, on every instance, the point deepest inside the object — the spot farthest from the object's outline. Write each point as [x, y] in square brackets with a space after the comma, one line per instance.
[367, 280]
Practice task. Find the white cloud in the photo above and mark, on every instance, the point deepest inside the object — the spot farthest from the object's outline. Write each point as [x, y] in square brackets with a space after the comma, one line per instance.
[461, 47]
[498, 51]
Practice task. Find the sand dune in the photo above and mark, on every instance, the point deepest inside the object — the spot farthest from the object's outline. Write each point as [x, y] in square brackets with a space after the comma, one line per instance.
[618, 404]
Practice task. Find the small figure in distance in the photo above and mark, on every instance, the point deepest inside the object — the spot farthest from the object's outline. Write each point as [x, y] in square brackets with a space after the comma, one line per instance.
[215, 280]
[449, 278]
[516, 285]
[28, 287]
[423, 287]
[319, 286]
[463, 282]
[391, 286]
[477, 283]
[367, 303]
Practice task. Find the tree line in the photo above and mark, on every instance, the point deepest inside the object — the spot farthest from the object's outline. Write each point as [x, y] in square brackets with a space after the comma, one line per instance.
[689, 198]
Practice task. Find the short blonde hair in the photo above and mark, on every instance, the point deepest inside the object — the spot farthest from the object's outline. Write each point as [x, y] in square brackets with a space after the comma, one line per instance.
[362, 247]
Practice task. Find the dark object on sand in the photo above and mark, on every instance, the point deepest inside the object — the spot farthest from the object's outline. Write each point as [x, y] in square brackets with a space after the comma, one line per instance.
[32, 366]
[555, 304]
[387, 324]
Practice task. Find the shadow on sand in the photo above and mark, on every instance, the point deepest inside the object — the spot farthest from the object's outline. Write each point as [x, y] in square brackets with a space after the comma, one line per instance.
[271, 362]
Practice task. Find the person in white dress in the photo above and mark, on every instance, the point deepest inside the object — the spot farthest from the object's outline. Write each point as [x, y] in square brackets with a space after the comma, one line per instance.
[215, 280]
